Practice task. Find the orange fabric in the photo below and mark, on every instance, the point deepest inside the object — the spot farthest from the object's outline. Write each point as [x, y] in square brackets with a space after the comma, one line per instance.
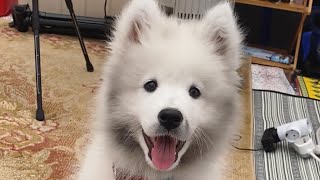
[5, 6]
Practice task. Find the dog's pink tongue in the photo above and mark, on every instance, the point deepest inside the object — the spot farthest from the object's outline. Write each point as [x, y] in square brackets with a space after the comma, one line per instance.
[163, 152]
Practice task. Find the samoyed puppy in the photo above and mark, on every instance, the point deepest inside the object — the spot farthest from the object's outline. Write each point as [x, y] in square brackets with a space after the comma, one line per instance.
[170, 98]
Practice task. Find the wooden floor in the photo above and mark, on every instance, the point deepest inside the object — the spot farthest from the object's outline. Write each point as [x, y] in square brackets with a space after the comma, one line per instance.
[240, 164]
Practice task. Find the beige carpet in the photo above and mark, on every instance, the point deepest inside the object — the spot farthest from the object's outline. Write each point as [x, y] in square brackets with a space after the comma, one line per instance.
[30, 150]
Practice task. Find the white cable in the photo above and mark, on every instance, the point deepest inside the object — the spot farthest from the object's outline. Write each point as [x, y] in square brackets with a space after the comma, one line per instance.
[316, 150]
[318, 136]
[315, 157]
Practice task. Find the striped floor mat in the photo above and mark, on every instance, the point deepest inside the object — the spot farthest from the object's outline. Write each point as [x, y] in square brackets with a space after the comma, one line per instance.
[309, 87]
[271, 110]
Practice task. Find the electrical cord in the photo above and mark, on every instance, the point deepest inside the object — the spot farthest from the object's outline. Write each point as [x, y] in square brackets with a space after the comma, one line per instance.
[245, 149]
[315, 156]
[109, 22]
[318, 136]
[316, 151]
[238, 138]
[105, 10]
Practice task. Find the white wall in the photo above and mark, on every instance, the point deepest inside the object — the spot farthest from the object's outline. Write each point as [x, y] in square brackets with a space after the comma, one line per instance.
[114, 6]
[169, 3]
[91, 8]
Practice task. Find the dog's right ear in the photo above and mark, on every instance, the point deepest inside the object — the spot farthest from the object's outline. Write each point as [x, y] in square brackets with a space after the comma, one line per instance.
[136, 19]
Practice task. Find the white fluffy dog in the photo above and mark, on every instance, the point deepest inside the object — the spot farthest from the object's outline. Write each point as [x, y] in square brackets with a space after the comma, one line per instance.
[170, 96]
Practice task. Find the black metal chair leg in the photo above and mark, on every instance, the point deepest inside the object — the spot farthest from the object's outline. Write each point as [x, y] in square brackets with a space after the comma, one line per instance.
[36, 28]
[76, 26]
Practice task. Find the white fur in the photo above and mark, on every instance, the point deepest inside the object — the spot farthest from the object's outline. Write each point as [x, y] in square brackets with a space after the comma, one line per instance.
[148, 45]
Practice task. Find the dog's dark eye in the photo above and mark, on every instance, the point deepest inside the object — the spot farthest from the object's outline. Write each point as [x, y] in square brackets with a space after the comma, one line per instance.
[194, 92]
[151, 86]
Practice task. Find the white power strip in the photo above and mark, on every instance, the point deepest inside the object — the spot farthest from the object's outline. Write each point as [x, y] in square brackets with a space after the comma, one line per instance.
[306, 147]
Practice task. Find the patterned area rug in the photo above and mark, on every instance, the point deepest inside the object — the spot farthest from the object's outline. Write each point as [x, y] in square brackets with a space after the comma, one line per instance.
[31, 150]
[271, 110]
[309, 87]
[270, 78]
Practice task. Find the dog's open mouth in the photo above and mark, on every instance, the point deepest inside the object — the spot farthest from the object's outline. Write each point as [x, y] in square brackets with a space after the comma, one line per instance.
[163, 150]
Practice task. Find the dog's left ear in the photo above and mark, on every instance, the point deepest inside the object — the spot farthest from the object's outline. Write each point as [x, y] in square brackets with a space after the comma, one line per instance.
[136, 19]
[221, 31]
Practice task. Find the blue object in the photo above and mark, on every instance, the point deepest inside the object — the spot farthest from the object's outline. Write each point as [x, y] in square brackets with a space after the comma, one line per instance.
[280, 59]
[315, 45]
[315, 36]
[305, 45]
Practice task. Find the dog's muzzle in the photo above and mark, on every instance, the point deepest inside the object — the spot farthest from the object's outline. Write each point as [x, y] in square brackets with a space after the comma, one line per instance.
[164, 148]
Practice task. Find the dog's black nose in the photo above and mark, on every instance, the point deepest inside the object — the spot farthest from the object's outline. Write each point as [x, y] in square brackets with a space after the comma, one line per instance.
[170, 118]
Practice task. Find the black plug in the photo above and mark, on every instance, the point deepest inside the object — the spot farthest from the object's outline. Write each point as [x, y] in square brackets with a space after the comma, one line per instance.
[269, 138]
